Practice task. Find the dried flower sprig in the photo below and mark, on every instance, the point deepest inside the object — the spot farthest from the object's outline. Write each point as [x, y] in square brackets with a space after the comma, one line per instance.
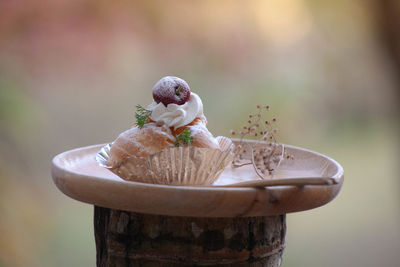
[266, 154]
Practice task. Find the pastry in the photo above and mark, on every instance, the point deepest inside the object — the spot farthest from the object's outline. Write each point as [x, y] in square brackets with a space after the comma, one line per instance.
[174, 118]
[170, 143]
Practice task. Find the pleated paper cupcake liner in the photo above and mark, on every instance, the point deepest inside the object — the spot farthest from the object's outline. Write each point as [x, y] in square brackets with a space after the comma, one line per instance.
[173, 166]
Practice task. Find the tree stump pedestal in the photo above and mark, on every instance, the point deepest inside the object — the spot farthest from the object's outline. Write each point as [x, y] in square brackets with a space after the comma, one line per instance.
[135, 239]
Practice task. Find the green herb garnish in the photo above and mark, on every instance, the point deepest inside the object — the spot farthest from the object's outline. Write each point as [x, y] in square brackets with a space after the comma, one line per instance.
[184, 138]
[142, 116]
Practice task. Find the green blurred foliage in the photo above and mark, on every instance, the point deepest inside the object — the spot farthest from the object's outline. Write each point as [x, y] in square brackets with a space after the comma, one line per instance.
[71, 73]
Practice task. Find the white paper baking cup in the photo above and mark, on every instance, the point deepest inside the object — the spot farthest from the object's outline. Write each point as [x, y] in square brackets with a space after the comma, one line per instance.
[173, 166]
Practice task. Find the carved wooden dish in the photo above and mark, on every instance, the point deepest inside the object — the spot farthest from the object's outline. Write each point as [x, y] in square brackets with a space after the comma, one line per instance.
[309, 181]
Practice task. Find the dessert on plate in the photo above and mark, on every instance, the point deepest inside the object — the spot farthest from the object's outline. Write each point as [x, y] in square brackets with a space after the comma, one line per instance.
[170, 143]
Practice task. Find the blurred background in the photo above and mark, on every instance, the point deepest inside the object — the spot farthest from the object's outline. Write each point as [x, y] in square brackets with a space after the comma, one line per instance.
[71, 73]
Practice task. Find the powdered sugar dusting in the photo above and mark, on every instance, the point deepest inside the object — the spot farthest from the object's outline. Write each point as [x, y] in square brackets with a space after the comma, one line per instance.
[171, 90]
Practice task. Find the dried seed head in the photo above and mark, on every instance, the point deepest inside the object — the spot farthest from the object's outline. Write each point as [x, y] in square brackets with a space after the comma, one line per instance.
[266, 157]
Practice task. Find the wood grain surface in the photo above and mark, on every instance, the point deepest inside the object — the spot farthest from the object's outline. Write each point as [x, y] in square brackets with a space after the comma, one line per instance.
[77, 175]
[133, 239]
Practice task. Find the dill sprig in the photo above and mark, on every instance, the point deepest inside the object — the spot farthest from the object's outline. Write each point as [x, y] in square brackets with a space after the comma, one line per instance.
[184, 138]
[142, 116]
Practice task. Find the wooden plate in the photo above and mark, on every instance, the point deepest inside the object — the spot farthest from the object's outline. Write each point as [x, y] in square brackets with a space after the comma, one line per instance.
[77, 175]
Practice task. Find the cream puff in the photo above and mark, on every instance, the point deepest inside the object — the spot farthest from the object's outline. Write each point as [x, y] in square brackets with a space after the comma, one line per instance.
[174, 118]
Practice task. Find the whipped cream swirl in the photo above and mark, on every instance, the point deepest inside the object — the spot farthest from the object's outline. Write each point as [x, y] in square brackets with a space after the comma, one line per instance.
[175, 115]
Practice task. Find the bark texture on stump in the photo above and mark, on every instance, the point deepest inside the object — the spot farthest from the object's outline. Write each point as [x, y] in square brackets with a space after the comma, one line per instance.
[134, 239]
